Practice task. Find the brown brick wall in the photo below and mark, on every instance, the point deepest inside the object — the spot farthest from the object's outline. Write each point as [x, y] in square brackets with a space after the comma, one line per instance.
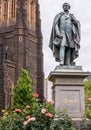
[21, 46]
[2, 99]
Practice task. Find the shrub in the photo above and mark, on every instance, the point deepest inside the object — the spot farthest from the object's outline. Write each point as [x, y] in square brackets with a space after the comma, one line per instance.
[23, 91]
[30, 113]
[63, 121]
[87, 89]
[86, 122]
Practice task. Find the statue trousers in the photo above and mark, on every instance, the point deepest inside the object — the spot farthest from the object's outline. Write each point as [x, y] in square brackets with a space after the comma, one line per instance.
[64, 55]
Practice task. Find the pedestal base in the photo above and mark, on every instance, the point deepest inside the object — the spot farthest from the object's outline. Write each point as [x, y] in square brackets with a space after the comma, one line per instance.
[68, 89]
[77, 123]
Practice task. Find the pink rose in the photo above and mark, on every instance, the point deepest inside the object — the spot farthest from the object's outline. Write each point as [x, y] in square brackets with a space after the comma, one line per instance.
[17, 110]
[31, 119]
[36, 95]
[27, 106]
[51, 102]
[25, 123]
[43, 110]
[15, 119]
[49, 115]
[89, 99]
[44, 100]
[27, 117]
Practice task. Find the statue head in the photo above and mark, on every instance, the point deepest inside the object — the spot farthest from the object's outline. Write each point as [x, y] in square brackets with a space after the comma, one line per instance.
[66, 6]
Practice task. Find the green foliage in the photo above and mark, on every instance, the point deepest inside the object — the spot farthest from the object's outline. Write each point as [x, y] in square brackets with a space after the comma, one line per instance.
[42, 121]
[29, 113]
[63, 122]
[23, 119]
[39, 120]
[87, 89]
[12, 121]
[86, 122]
[23, 91]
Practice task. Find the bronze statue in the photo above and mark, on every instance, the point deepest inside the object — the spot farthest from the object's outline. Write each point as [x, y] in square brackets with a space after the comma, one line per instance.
[65, 37]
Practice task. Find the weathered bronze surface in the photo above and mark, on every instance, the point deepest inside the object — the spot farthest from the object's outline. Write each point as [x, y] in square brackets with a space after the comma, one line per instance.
[65, 37]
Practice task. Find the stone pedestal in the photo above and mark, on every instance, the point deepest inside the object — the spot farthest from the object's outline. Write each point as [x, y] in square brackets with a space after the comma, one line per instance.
[68, 89]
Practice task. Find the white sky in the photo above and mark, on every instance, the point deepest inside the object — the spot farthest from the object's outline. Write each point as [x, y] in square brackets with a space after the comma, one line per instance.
[82, 11]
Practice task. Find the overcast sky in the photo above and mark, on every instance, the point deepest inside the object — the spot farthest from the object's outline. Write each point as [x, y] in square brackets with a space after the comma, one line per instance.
[82, 11]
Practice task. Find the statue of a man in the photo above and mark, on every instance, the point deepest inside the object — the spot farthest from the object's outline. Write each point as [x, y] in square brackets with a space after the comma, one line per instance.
[65, 37]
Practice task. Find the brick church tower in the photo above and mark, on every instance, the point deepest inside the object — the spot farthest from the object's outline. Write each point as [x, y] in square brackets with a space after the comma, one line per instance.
[20, 46]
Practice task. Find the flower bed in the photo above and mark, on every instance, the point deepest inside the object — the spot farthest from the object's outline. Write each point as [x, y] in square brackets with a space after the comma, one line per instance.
[28, 112]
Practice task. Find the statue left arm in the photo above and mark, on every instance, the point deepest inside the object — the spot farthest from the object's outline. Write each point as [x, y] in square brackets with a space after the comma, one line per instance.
[77, 24]
[79, 29]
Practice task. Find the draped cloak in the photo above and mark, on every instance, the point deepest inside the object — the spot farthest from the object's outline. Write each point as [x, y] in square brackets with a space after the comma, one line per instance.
[75, 36]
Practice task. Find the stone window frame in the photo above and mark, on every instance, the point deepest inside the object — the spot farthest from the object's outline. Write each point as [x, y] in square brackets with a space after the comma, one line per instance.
[31, 13]
[13, 8]
[5, 13]
[0, 11]
[9, 89]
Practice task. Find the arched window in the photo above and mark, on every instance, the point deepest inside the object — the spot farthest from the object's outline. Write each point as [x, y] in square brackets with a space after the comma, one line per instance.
[13, 8]
[31, 6]
[0, 11]
[5, 10]
[8, 90]
[31, 13]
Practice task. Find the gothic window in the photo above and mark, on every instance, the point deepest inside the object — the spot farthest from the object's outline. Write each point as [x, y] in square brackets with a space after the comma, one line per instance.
[5, 10]
[0, 11]
[8, 90]
[9, 54]
[13, 8]
[31, 13]
[27, 12]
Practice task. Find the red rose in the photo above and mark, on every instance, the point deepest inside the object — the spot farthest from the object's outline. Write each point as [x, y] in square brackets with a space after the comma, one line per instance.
[17, 110]
[36, 95]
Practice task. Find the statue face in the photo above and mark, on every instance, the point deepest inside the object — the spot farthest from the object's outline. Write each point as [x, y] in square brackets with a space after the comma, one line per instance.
[66, 6]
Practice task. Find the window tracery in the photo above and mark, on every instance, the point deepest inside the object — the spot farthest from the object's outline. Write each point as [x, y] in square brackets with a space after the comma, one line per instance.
[0, 10]
[7, 12]
[13, 8]
[8, 90]
[31, 13]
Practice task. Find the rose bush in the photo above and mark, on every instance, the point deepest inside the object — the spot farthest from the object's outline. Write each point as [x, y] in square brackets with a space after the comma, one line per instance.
[86, 122]
[25, 119]
[88, 98]
[28, 112]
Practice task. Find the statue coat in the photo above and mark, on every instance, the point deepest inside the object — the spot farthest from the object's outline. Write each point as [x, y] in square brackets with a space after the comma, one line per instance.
[75, 36]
